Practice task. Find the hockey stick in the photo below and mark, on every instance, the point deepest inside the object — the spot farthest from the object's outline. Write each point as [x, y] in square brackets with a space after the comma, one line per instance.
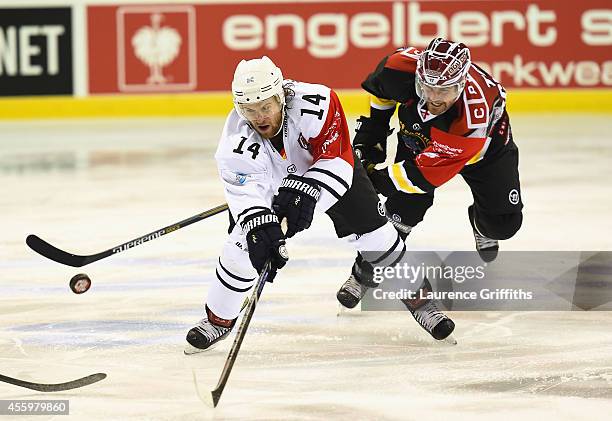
[267, 275]
[49, 251]
[56, 387]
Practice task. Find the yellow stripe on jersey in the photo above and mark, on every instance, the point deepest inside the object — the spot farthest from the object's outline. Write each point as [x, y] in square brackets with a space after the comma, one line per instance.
[480, 154]
[401, 180]
[381, 104]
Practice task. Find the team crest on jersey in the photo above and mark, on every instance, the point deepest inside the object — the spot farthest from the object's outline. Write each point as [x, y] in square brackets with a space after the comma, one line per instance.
[413, 139]
[302, 142]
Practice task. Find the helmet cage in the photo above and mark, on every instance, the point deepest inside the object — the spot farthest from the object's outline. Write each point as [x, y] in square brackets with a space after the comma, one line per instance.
[443, 64]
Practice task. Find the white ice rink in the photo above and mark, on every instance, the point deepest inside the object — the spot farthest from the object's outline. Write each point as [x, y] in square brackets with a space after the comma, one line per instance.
[88, 186]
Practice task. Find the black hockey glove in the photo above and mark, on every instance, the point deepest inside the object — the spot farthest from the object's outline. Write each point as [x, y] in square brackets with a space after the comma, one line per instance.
[370, 142]
[382, 182]
[265, 240]
[296, 200]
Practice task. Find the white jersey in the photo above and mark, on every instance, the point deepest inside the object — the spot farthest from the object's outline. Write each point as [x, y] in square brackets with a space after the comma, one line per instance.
[316, 144]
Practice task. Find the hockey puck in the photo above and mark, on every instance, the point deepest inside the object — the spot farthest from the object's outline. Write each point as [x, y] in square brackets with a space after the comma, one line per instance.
[80, 283]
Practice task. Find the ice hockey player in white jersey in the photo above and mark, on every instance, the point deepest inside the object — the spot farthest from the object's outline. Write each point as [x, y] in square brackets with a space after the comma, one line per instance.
[284, 152]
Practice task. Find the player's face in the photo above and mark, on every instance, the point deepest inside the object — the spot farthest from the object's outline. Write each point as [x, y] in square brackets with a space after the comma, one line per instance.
[439, 99]
[265, 116]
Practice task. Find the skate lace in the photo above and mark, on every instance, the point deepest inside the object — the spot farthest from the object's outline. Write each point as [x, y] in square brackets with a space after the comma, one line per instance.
[354, 288]
[483, 242]
[429, 316]
[210, 331]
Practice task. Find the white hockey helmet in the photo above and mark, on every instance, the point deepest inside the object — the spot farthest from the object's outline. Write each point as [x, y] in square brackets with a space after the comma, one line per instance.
[256, 80]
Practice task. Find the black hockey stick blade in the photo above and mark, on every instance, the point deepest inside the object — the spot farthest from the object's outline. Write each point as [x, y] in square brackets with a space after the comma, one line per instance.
[56, 387]
[267, 275]
[51, 252]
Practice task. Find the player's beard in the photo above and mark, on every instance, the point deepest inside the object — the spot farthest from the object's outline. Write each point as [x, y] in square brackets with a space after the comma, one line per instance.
[438, 107]
[269, 127]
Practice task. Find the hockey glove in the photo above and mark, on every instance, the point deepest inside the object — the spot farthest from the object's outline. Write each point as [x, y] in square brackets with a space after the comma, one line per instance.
[382, 182]
[296, 200]
[265, 240]
[370, 142]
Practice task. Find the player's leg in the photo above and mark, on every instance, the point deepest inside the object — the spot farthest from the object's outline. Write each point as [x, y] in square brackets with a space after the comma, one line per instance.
[358, 216]
[406, 210]
[234, 277]
[496, 213]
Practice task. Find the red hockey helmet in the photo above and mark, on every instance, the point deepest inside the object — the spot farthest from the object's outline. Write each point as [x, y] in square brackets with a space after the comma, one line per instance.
[443, 64]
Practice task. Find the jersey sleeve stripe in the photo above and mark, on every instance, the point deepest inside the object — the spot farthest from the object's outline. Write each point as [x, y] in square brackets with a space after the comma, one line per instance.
[329, 174]
[400, 179]
[381, 103]
[480, 154]
[328, 188]
[416, 177]
[245, 212]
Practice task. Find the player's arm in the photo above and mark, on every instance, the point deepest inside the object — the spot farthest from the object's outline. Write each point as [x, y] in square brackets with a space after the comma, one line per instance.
[328, 178]
[245, 183]
[443, 158]
[391, 82]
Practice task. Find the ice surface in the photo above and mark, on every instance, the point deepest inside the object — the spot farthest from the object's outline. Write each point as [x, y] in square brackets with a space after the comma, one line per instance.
[89, 185]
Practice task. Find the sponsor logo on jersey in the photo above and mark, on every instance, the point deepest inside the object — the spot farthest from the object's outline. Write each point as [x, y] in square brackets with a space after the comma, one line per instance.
[235, 178]
[331, 134]
[447, 151]
[514, 196]
[328, 142]
[291, 169]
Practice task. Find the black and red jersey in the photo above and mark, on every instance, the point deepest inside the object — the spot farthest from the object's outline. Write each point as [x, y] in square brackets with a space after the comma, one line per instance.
[434, 148]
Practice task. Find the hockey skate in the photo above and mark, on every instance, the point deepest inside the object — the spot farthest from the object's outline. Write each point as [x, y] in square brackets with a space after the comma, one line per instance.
[353, 290]
[487, 247]
[429, 316]
[208, 332]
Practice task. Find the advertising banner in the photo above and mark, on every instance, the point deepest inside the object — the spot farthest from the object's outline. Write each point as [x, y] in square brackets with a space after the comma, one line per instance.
[157, 48]
[36, 51]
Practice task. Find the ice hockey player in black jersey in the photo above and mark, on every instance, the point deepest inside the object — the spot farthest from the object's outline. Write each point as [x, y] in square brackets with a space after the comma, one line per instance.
[452, 120]
[285, 151]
